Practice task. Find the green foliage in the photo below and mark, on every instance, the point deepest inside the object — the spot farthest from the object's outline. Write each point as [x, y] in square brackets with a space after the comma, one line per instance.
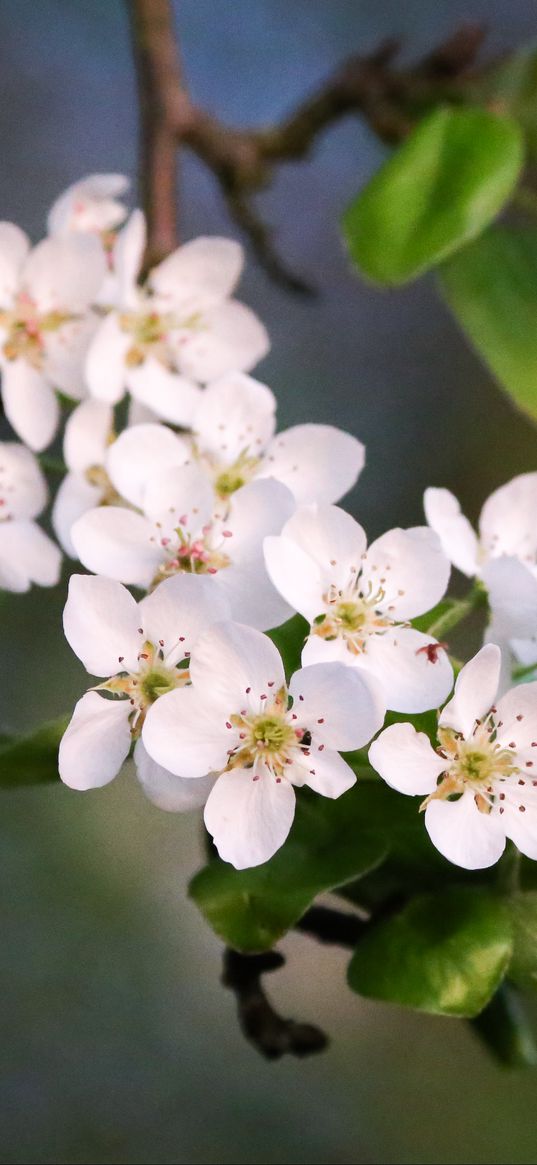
[523, 967]
[33, 759]
[491, 287]
[444, 953]
[504, 1029]
[511, 88]
[445, 184]
[289, 639]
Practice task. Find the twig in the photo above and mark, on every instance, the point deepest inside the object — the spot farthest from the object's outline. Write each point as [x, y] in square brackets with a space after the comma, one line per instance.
[332, 926]
[243, 161]
[272, 1035]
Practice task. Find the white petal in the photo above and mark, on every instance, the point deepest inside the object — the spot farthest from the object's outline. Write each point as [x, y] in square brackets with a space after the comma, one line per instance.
[178, 610]
[101, 621]
[185, 732]
[168, 395]
[463, 835]
[14, 247]
[117, 542]
[65, 274]
[507, 523]
[89, 205]
[199, 274]
[65, 355]
[23, 488]
[128, 256]
[410, 568]
[406, 760]
[319, 463]
[234, 415]
[459, 540]
[105, 361]
[341, 707]
[257, 510]
[411, 682]
[30, 404]
[319, 650]
[251, 596]
[325, 772]
[87, 433]
[238, 665]
[30, 553]
[512, 593]
[517, 717]
[167, 791]
[75, 497]
[95, 743]
[475, 691]
[295, 575]
[249, 819]
[139, 454]
[229, 338]
[332, 539]
[521, 827]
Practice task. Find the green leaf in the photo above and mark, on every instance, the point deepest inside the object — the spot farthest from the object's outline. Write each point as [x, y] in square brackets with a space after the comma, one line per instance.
[523, 966]
[491, 287]
[331, 842]
[441, 189]
[512, 88]
[444, 953]
[289, 639]
[504, 1028]
[33, 759]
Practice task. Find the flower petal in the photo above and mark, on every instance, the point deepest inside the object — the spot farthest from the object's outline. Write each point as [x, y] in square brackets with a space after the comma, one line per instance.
[185, 732]
[178, 610]
[230, 338]
[101, 621]
[105, 360]
[324, 772]
[117, 543]
[27, 553]
[411, 682]
[75, 497]
[30, 404]
[235, 414]
[459, 540]
[411, 570]
[95, 743]
[517, 717]
[475, 691]
[257, 510]
[65, 274]
[295, 575]
[181, 496]
[238, 665]
[167, 791]
[128, 257]
[332, 539]
[65, 353]
[507, 523]
[87, 433]
[512, 594]
[251, 596]
[89, 205]
[341, 707]
[249, 815]
[319, 463]
[463, 835]
[199, 274]
[14, 247]
[168, 395]
[521, 827]
[23, 488]
[406, 760]
[139, 454]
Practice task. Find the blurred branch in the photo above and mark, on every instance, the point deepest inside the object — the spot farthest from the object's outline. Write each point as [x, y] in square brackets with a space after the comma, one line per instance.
[243, 161]
[272, 1035]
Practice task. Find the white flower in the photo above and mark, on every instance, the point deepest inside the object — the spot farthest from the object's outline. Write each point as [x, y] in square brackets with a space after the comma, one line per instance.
[89, 205]
[27, 555]
[86, 484]
[503, 555]
[181, 528]
[180, 331]
[45, 325]
[358, 601]
[486, 759]
[235, 721]
[139, 649]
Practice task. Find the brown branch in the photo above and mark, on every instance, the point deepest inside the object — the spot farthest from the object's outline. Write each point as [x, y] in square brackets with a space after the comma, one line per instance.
[243, 161]
[272, 1035]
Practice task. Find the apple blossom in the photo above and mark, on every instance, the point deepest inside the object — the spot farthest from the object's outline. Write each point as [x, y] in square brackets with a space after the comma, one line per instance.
[239, 721]
[141, 650]
[181, 330]
[89, 205]
[27, 554]
[480, 782]
[45, 325]
[86, 484]
[358, 601]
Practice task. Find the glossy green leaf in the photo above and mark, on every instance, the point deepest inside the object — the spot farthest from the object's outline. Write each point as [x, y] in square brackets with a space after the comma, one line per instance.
[445, 184]
[331, 842]
[491, 287]
[504, 1028]
[444, 953]
[289, 639]
[33, 759]
[511, 87]
[523, 967]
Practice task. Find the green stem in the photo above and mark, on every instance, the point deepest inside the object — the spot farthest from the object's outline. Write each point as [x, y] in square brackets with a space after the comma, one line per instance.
[52, 464]
[458, 610]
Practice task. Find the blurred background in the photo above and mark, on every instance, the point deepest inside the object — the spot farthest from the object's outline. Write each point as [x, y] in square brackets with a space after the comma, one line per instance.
[118, 1042]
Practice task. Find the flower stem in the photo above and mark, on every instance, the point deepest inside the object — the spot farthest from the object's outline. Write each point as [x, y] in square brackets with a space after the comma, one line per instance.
[457, 610]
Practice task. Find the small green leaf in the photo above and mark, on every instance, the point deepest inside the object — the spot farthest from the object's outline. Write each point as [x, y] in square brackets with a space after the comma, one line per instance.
[33, 759]
[511, 87]
[289, 639]
[504, 1028]
[330, 843]
[444, 185]
[491, 287]
[523, 967]
[444, 953]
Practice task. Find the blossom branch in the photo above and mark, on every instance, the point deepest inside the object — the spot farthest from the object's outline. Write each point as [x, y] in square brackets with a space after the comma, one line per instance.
[243, 161]
[272, 1035]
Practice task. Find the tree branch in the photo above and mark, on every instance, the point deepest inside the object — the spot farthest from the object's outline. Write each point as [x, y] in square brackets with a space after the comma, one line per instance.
[243, 161]
[272, 1035]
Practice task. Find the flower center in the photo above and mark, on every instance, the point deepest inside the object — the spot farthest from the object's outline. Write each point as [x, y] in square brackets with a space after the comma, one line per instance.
[143, 687]
[351, 615]
[25, 328]
[192, 554]
[149, 331]
[268, 737]
[228, 480]
[478, 764]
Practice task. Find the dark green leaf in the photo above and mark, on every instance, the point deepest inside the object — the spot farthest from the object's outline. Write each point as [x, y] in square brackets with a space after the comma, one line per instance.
[504, 1028]
[512, 88]
[444, 953]
[331, 842]
[289, 639]
[491, 287]
[442, 188]
[33, 759]
[523, 967]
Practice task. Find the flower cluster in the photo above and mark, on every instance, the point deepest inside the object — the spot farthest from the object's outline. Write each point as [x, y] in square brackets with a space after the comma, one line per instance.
[227, 528]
